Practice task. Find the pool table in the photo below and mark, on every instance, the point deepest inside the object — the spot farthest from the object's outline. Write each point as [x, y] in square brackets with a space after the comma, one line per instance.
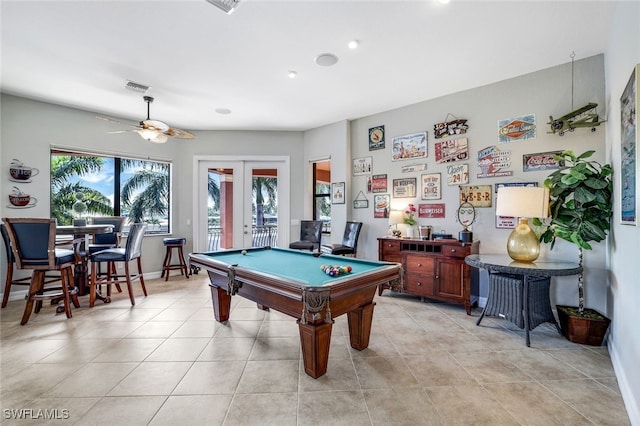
[293, 283]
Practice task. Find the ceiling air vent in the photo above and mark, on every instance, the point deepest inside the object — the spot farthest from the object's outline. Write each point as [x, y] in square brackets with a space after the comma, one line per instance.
[227, 6]
[136, 87]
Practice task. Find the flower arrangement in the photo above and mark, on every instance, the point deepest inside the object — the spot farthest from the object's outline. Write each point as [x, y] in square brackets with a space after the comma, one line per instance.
[410, 215]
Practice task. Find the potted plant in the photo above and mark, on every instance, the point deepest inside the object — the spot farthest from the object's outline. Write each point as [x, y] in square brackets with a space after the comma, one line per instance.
[581, 207]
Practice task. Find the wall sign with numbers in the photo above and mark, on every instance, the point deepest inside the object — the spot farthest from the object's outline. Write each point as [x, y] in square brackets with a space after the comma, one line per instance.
[477, 195]
[457, 174]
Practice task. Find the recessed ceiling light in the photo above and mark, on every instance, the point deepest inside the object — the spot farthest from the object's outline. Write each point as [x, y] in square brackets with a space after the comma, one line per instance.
[444, 1]
[353, 44]
[326, 59]
[292, 74]
[223, 111]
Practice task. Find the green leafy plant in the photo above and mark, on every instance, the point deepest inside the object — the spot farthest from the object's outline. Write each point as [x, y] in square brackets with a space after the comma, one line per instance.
[581, 207]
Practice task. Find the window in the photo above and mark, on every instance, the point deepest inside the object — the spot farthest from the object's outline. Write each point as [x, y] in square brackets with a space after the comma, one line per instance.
[85, 185]
[322, 194]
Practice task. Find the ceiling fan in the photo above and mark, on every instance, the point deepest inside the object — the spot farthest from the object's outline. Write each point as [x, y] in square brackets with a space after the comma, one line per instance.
[153, 130]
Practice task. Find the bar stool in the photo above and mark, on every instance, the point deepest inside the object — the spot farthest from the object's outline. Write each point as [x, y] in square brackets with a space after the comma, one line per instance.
[170, 244]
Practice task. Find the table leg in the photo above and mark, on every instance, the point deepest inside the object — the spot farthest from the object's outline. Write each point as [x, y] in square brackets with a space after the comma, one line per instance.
[221, 303]
[315, 340]
[360, 326]
[526, 309]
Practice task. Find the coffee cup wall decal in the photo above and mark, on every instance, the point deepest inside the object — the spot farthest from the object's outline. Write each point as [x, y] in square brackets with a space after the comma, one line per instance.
[20, 172]
[20, 200]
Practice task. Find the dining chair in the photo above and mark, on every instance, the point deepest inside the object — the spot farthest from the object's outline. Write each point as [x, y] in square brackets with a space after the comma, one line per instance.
[108, 240]
[33, 243]
[11, 260]
[349, 246]
[131, 251]
[310, 236]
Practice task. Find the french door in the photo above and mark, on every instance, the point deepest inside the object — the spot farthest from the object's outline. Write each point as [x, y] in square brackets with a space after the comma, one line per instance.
[246, 214]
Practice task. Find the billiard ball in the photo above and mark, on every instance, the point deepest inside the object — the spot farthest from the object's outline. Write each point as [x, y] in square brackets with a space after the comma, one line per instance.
[244, 252]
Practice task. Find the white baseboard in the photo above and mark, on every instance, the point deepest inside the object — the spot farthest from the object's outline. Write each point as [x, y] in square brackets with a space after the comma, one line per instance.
[631, 401]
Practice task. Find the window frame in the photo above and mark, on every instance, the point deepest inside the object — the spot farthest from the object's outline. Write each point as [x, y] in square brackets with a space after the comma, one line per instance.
[117, 181]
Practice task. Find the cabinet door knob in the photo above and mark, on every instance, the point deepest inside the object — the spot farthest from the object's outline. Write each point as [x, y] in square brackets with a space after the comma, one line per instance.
[419, 284]
[437, 276]
[453, 250]
[419, 265]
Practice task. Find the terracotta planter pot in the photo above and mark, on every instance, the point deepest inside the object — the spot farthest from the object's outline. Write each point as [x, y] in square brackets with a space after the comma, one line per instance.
[587, 330]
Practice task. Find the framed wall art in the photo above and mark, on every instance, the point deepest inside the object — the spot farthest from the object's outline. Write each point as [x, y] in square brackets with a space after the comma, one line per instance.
[362, 166]
[381, 204]
[409, 146]
[361, 201]
[431, 186]
[404, 188]
[337, 193]
[629, 151]
[376, 138]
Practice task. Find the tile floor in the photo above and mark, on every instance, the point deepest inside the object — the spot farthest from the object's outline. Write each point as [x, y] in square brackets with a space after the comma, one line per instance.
[166, 361]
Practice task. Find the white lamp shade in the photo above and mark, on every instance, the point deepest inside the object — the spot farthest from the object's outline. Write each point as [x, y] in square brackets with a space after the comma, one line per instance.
[396, 217]
[522, 201]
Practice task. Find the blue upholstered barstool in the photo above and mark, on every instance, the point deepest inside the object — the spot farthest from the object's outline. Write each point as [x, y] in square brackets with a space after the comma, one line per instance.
[170, 244]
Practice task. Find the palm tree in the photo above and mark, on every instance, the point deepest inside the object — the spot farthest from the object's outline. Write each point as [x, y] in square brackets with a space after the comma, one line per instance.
[64, 193]
[146, 193]
[260, 186]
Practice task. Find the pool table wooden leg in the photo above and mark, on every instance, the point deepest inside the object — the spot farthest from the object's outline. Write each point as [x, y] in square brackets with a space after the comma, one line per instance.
[221, 303]
[315, 340]
[360, 326]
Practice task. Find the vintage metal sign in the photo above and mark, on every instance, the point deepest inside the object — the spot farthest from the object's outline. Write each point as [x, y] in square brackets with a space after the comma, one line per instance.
[450, 128]
[377, 183]
[457, 174]
[517, 128]
[452, 150]
[431, 210]
[493, 162]
[541, 161]
[477, 195]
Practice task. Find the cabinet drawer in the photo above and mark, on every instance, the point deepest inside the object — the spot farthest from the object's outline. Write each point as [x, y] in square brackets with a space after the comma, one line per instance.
[455, 251]
[390, 247]
[421, 285]
[420, 265]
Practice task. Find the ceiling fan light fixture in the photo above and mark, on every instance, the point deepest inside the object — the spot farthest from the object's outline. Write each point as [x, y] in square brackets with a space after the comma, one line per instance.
[227, 6]
[160, 138]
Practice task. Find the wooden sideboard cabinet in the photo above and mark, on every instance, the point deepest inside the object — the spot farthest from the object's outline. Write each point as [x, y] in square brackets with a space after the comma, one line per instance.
[432, 269]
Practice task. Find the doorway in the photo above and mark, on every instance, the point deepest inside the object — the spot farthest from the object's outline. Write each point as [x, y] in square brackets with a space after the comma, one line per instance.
[240, 202]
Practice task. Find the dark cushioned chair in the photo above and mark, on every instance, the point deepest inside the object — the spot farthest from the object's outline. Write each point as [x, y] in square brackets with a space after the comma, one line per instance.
[131, 251]
[33, 243]
[11, 260]
[349, 244]
[310, 236]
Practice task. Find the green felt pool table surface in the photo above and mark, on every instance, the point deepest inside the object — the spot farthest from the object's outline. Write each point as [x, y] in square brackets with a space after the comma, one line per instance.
[294, 265]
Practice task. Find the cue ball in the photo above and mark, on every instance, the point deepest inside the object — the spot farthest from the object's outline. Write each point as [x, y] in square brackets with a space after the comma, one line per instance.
[244, 252]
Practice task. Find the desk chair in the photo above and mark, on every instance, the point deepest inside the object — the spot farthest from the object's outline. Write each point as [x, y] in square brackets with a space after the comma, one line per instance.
[310, 236]
[349, 246]
[131, 251]
[33, 245]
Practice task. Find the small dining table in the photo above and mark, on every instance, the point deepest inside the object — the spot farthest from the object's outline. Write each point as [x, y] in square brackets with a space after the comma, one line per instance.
[82, 270]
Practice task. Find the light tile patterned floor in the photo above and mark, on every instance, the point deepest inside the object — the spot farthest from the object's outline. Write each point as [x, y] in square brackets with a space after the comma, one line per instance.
[166, 361]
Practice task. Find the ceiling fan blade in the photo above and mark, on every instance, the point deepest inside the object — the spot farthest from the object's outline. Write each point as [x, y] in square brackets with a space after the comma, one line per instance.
[180, 134]
[124, 131]
[112, 120]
